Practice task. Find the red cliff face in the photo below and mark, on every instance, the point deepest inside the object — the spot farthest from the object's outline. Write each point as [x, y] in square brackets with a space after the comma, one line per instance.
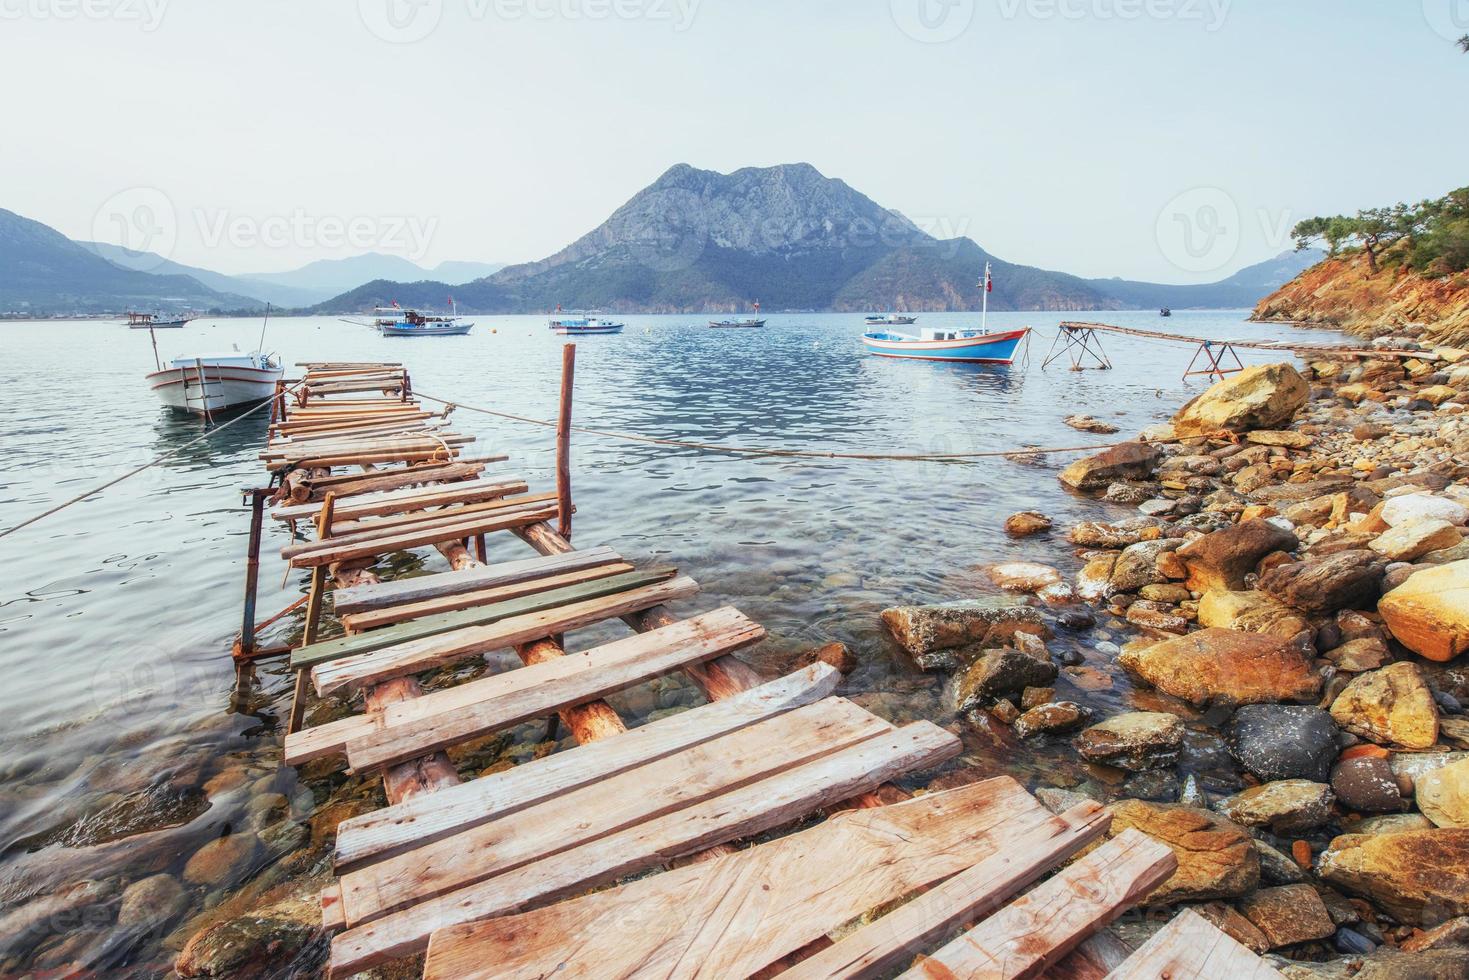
[1341, 292]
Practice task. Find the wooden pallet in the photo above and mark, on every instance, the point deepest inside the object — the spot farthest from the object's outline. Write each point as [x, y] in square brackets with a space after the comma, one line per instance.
[485, 875]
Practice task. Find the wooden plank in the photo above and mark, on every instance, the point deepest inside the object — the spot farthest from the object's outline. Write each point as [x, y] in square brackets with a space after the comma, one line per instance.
[750, 810]
[1041, 927]
[430, 626]
[419, 536]
[379, 618]
[635, 797]
[413, 518]
[425, 819]
[892, 941]
[527, 692]
[736, 915]
[425, 587]
[293, 452]
[435, 651]
[408, 498]
[354, 484]
[359, 458]
[387, 527]
[1192, 946]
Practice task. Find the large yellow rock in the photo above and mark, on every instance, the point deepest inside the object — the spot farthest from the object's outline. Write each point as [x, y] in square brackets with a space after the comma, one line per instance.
[1224, 666]
[1391, 706]
[1265, 397]
[1429, 613]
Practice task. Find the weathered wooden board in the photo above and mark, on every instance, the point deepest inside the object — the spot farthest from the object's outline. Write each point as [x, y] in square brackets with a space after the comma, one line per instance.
[378, 618]
[330, 551]
[390, 526]
[317, 653]
[347, 485]
[635, 797]
[424, 819]
[411, 498]
[414, 656]
[893, 940]
[1041, 927]
[733, 916]
[437, 453]
[1192, 946]
[412, 590]
[750, 810]
[466, 711]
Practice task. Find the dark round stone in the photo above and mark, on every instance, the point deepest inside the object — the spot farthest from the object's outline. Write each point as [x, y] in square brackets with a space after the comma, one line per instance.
[1078, 619]
[1284, 741]
[1366, 785]
[1352, 943]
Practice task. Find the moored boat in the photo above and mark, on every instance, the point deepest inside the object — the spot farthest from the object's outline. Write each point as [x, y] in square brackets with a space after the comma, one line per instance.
[581, 322]
[411, 323]
[891, 320]
[1165, 311]
[972, 346]
[156, 321]
[742, 323]
[206, 383]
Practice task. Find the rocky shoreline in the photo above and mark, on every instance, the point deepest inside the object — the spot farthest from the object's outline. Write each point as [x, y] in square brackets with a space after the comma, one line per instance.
[1297, 583]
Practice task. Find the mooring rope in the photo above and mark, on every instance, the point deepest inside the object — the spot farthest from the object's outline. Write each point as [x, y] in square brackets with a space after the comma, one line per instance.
[146, 466]
[765, 451]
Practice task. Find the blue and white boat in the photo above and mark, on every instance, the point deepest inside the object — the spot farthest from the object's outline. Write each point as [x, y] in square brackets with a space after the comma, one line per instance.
[414, 324]
[974, 346]
[580, 322]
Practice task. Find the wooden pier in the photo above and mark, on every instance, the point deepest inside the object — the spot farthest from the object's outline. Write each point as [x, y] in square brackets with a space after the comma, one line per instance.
[617, 858]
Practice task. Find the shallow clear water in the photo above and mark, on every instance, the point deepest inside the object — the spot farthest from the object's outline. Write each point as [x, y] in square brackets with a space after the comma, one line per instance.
[116, 615]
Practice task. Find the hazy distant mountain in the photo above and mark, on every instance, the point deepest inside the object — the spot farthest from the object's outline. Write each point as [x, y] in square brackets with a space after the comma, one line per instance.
[289, 297]
[697, 241]
[1243, 289]
[462, 272]
[43, 271]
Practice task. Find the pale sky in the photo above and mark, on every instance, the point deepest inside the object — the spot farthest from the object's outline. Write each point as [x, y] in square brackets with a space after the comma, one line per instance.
[1171, 140]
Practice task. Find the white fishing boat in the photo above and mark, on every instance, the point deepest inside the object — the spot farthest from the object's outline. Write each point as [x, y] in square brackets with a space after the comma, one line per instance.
[580, 322]
[740, 323]
[891, 320]
[156, 321]
[208, 383]
[414, 324]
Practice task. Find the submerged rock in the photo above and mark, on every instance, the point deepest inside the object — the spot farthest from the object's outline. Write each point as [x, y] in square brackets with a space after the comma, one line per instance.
[999, 672]
[1088, 424]
[1429, 613]
[1054, 717]
[1032, 577]
[1225, 666]
[1216, 858]
[1420, 877]
[1391, 706]
[1128, 461]
[1027, 523]
[932, 634]
[1265, 397]
[1283, 741]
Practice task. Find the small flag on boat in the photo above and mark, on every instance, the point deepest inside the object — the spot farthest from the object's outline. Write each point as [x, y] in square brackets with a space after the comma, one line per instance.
[989, 280]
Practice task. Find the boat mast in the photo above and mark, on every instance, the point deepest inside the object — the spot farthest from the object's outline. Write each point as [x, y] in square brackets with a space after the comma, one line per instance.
[985, 288]
[260, 347]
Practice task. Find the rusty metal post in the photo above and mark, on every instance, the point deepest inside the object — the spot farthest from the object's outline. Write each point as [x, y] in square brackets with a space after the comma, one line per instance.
[246, 645]
[563, 441]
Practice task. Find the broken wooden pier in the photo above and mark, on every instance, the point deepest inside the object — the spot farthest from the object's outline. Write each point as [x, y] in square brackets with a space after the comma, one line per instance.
[621, 857]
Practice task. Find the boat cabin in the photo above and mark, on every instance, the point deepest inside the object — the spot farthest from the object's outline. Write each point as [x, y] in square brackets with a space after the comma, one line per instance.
[949, 333]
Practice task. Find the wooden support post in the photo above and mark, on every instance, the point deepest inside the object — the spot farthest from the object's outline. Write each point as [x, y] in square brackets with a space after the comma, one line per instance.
[245, 648]
[563, 441]
[313, 617]
[481, 549]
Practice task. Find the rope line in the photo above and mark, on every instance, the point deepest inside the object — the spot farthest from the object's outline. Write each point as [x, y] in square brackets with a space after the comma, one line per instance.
[765, 451]
[146, 466]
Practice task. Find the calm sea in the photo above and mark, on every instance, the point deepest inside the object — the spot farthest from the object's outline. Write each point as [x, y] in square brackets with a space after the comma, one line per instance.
[116, 615]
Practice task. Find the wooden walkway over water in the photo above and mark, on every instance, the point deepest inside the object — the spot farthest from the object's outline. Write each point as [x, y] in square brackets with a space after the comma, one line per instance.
[616, 858]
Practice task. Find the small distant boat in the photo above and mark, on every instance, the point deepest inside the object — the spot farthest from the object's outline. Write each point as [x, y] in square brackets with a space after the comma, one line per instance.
[891, 320]
[1165, 311]
[739, 323]
[582, 322]
[411, 323]
[974, 346]
[156, 321]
